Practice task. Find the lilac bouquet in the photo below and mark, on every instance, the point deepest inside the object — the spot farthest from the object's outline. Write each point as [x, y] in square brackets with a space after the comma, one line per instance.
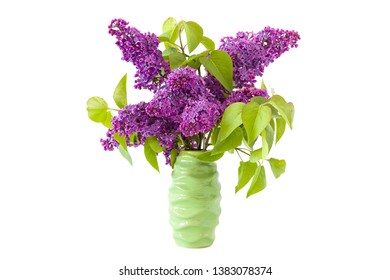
[201, 101]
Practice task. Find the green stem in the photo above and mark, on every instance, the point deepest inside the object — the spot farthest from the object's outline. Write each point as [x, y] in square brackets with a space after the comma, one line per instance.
[242, 151]
[184, 142]
[206, 142]
[238, 154]
[200, 135]
[181, 45]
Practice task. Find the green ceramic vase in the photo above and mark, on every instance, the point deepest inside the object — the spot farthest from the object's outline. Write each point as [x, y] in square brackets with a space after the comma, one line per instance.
[194, 200]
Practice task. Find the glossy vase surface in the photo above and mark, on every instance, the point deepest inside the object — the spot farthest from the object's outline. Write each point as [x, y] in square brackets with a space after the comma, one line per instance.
[194, 200]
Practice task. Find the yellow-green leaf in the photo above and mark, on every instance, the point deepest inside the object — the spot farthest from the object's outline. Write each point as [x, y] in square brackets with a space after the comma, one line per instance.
[176, 59]
[220, 65]
[246, 170]
[259, 181]
[125, 153]
[194, 34]
[278, 166]
[155, 144]
[231, 119]
[209, 156]
[208, 43]
[256, 155]
[150, 154]
[255, 118]
[285, 110]
[120, 93]
[232, 141]
[173, 156]
[280, 128]
[170, 31]
[267, 137]
[98, 110]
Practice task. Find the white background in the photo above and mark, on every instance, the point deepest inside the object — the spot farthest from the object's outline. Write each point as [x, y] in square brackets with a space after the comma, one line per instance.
[69, 210]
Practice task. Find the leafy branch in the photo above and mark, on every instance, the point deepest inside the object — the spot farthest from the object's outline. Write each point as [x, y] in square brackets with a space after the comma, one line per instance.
[260, 119]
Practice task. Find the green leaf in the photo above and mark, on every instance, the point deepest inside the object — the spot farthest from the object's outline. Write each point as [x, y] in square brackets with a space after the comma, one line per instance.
[232, 141]
[121, 140]
[231, 119]
[265, 147]
[285, 110]
[245, 141]
[167, 52]
[123, 147]
[133, 138]
[220, 65]
[170, 30]
[169, 25]
[263, 86]
[194, 34]
[150, 154]
[193, 62]
[120, 93]
[176, 59]
[255, 118]
[270, 137]
[165, 37]
[259, 181]
[256, 155]
[125, 154]
[259, 99]
[278, 166]
[291, 111]
[215, 135]
[171, 45]
[176, 31]
[98, 110]
[107, 123]
[267, 137]
[208, 43]
[209, 156]
[272, 124]
[173, 156]
[155, 144]
[246, 170]
[280, 128]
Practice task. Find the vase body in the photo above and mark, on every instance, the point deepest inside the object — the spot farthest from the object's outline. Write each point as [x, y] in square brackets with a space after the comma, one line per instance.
[194, 200]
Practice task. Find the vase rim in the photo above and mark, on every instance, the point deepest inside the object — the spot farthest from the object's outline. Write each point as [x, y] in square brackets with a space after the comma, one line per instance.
[193, 151]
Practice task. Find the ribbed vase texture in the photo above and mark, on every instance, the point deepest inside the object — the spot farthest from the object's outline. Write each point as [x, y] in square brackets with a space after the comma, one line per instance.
[194, 200]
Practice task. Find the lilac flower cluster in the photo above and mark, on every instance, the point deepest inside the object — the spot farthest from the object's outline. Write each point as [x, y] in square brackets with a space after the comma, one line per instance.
[252, 52]
[186, 104]
[109, 143]
[199, 116]
[142, 50]
[244, 95]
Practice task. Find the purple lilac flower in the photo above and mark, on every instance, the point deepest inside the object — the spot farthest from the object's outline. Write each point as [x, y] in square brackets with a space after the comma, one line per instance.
[162, 104]
[142, 50]
[185, 104]
[218, 92]
[183, 85]
[199, 116]
[109, 143]
[186, 81]
[252, 52]
[244, 95]
[131, 119]
[134, 119]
